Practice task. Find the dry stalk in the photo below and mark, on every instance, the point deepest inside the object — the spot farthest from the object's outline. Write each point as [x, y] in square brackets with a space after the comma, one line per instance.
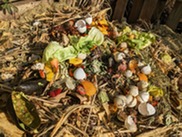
[68, 112]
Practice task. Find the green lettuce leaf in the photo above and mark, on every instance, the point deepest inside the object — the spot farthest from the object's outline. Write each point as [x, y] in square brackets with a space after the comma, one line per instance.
[54, 50]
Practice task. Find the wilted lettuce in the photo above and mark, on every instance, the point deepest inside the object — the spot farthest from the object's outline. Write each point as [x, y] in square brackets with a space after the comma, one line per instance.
[140, 41]
[54, 50]
[77, 45]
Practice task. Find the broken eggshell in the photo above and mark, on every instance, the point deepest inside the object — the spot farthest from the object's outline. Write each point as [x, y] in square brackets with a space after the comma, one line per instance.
[119, 56]
[143, 96]
[120, 101]
[130, 124]
[81, 26]
[142, 85]
[128, 73]
[133, 103]
[146, 70]
[88, 19]
[146, 109]
[79, 74]
[133, 90]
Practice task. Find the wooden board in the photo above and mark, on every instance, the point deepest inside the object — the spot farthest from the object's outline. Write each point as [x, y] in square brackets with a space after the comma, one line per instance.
[22, 6]
[135, 11]
[176, 15]
[158, 11]
[119, 9]
[148, 10]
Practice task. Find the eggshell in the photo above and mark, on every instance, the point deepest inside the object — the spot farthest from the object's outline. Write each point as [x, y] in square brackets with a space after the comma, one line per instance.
[79, 74]
[133, 103]
[120, 101]
[128, 73]
[146, 70]
[88, 19]
[130, 124]
[146, 109]
[143, 96]
[81, 26]
[133, 91]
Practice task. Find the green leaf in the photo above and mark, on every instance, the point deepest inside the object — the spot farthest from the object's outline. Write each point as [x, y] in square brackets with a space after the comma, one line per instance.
[25, 111]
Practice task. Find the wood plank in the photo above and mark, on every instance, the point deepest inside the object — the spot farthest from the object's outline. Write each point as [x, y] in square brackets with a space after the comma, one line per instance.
[135, 11]
[158, 11]
[23, 6]
[175, 15]
[119, 9]
[148, 10]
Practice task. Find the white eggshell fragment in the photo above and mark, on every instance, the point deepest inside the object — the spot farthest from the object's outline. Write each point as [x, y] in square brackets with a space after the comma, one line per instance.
[133, 90]
[146, 109]
[70, 83]
[129, 99]
[119, 56]
[88, 19]
[142, 85]
[130, 124]
[143, 96]
[81, 26]
[146, 70]
[120, 101]
[133, 103]
[79, 74]
[128, 73]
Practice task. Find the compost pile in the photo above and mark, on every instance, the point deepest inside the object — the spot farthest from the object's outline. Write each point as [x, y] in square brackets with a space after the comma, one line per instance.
[70, 72]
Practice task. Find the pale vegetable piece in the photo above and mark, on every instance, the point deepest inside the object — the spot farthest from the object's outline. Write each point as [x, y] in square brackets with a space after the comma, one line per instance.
[166, 58]
[143, 96]
[133, 91]
[38, 66]
[146, 109]
[133, 103]
[119, 56]
[81, 26]
[70, 83]
[128, 73]
[88, 19]
[79, 74]
[146, 70]
[126, 51]
[89, 87]
[142, 85]
[130, 124]
[120, 101]
[82, 56]
[123, 45]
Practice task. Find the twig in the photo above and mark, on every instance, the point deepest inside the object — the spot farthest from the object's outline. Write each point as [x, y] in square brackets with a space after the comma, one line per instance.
[43, 100]
[90, 112]
[82, 132]
[66, 115]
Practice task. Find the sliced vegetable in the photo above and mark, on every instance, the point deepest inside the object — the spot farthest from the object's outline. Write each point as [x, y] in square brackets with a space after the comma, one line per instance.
[55, 64]
[155, 91]
[75, 61]
[89, 87]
